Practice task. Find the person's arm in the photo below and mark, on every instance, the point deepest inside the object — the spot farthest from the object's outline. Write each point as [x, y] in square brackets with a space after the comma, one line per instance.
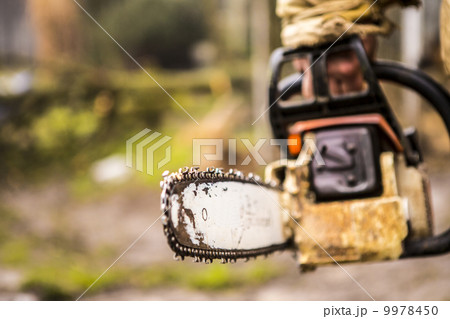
[315, 22]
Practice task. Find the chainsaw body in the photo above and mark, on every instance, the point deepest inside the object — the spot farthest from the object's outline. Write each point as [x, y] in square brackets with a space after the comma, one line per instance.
[370, 197]
[367, 198]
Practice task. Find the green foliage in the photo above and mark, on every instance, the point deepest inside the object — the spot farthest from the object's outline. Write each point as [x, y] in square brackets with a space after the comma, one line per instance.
[158, 31]
[15, 252]
[62, 126]
[73, 117]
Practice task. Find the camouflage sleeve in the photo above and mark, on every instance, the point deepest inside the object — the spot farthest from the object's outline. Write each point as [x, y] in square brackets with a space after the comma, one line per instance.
[312, 22]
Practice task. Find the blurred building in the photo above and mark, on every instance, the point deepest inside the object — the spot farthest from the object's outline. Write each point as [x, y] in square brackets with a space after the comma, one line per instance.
[17, 41]
[38, 29]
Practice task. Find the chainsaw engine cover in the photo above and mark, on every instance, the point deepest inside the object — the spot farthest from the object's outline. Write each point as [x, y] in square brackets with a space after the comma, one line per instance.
[355, 229]
[351, 169]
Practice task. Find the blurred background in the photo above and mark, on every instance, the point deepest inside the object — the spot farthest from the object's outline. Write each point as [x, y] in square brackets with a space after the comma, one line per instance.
[69, 100]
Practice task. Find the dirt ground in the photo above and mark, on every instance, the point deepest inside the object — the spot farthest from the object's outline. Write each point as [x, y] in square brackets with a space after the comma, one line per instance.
[117, 220]
[413, 279]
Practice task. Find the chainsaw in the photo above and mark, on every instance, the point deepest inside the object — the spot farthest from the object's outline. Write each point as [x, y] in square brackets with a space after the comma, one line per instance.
[369, 199]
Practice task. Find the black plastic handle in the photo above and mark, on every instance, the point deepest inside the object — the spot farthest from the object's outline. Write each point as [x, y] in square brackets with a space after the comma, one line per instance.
[439, 98]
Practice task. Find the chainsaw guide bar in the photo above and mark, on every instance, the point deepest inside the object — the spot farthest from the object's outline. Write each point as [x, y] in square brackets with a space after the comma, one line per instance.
[205, 216]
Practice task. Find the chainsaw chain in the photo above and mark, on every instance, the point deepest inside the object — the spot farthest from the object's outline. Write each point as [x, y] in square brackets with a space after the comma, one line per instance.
[211, 174]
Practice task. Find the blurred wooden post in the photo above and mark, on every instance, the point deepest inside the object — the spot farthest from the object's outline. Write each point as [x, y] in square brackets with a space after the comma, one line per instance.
[411, 53]
[236, 26]
[260, 53]
[57, 28]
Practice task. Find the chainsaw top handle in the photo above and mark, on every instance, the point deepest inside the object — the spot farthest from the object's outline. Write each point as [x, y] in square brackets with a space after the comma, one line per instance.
[371, 100]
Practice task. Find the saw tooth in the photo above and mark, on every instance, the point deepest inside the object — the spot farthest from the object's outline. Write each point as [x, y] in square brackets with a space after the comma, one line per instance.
[176, 257]
[223, 261]
[165, 173]
[194, 169]
[164, 219]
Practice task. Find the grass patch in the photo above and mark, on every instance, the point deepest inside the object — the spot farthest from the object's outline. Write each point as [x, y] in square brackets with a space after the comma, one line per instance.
[216, 277]
[208, 277]
[66, 282]
[15, 252]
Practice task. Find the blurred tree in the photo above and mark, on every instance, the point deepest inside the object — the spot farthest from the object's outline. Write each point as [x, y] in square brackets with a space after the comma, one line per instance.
[159, 30]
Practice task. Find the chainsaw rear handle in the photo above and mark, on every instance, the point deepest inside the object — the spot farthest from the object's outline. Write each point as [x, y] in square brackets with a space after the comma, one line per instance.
[439, 98]
[373, 100]
[419, 82]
